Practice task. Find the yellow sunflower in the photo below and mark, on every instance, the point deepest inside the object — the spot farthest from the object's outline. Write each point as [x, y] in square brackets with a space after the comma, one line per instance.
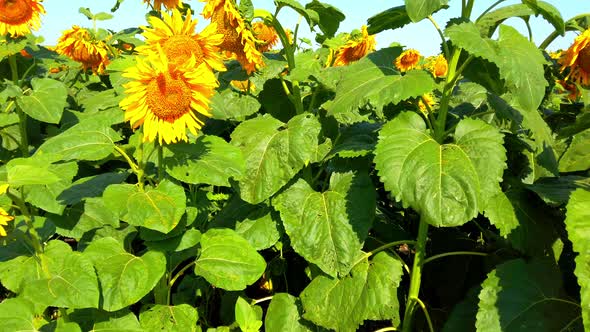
[408, 60]
[267, 36]
[245, 86]
[4, 219]
[577, 59]
[239, 41]
[354, 49]
[438, 66]
[179, 41]
[168, 4]
[422, 106]
[167, 99]
[19, 17]
[79, 45]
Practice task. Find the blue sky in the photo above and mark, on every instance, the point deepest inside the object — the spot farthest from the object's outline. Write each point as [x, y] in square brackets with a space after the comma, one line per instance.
[61, 15]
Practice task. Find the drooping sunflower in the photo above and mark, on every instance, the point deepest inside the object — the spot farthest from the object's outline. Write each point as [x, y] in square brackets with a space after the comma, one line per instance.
[267, 36]
[168, 4]
[438, 66]
[177, 38]
[4, 219]
[19, 17]
[167, 98]
[79, 45]
[355, 48]
[239, 41]
[408, 60]
[577, 59]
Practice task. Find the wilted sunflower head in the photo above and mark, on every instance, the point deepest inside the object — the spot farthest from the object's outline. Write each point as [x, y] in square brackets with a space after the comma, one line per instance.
[356, 47]
[168, 4]
[239, 41]
[266, 36]
[79, 45]
[4, 219]
[167, 99]
[577, 59]
[438, 66]
[19, 17]
[408, 60]
[177, 38]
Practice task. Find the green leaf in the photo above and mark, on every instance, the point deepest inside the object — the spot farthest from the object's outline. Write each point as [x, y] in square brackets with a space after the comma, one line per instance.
[260, 229]
[366, 82]
[285, 314]
[102, 16]
[83, 217]
[86, 12]
[447, 184]
[188, 239]
[502, 214]
[549, 12]
[577, 224]
[91, 186]
[182, 317]
[488, 23]
[228, 261]
[88, 140]
[124, 278]
[45, 196]
[101, 321]
[329, 17]
[467, 36]
[517, 296]
[329, 228]
[577, 156]
[557, 191]
[369, 292]
[274, 152]
[47, 101]
[29, 171]
[247, 317]
[310, 16]
[68, 279]
[392, 18]
[211, 160]
[229, 105]
[420, 9]
[357, 140]
[17, 314]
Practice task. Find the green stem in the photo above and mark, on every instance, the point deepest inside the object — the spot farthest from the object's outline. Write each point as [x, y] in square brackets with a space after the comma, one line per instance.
[268, 298]
[454, 253]
[389, 245]
[428, 320]
[140, 164]
[468, 9]
[452, 76]
[549, 40]
[132, 164]
[162, 291]
[161, 166]
[33, 235]
[387, 329]
[416, 276]
[22, 116]
[442, 37]
[176, 276]
[530, 31]
[489, 9]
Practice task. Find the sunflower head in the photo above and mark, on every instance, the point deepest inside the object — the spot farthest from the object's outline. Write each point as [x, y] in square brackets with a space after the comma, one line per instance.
[577, 59]
[79, 45]
[408, 60]
[177, 38]
[4, 219]
[355, 48]
[438, 66]
[239, 41]
[19, 17]
[168, 4]
[166, 98]
[266, 36]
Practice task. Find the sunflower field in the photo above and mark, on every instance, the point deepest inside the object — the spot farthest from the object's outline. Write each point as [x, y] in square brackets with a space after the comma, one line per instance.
[243, 178]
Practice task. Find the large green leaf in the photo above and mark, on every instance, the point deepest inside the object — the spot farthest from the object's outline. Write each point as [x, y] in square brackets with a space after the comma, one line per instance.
[420, 9]
[577, 156]
[30, 171]
[124, 278]
[89, 140]
[249, 319]
[517, 296]
[229, 105]
[260, 229]
[549, 12]
[47, 101]
[329, 228]
[274, 152]
[488, 23]
[392, 18]
[502, 214]
[102, 321]
[17, 314]
[447, 184]
[45, 196]
[83, 217]
[182, 317]
[369, 292]
[159, 208]
[68, 279]
[228, 261]
[211, 160]
[329, 17]
[557, 191]
[371, 82]
[578, 229]
[91, 186]
[285, 314]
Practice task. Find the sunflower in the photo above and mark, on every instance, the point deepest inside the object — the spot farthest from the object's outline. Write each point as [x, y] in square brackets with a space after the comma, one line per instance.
[166, 98]
[564, 86]
[267, 36]
[577, 59]
[355, 48]
[4, 219]
[179, 41]
[426, 103]
[169, 4]
[239, 41]
[79, 45]
[245, 86]
[18, 17]
[408, 60]
[438, 66]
